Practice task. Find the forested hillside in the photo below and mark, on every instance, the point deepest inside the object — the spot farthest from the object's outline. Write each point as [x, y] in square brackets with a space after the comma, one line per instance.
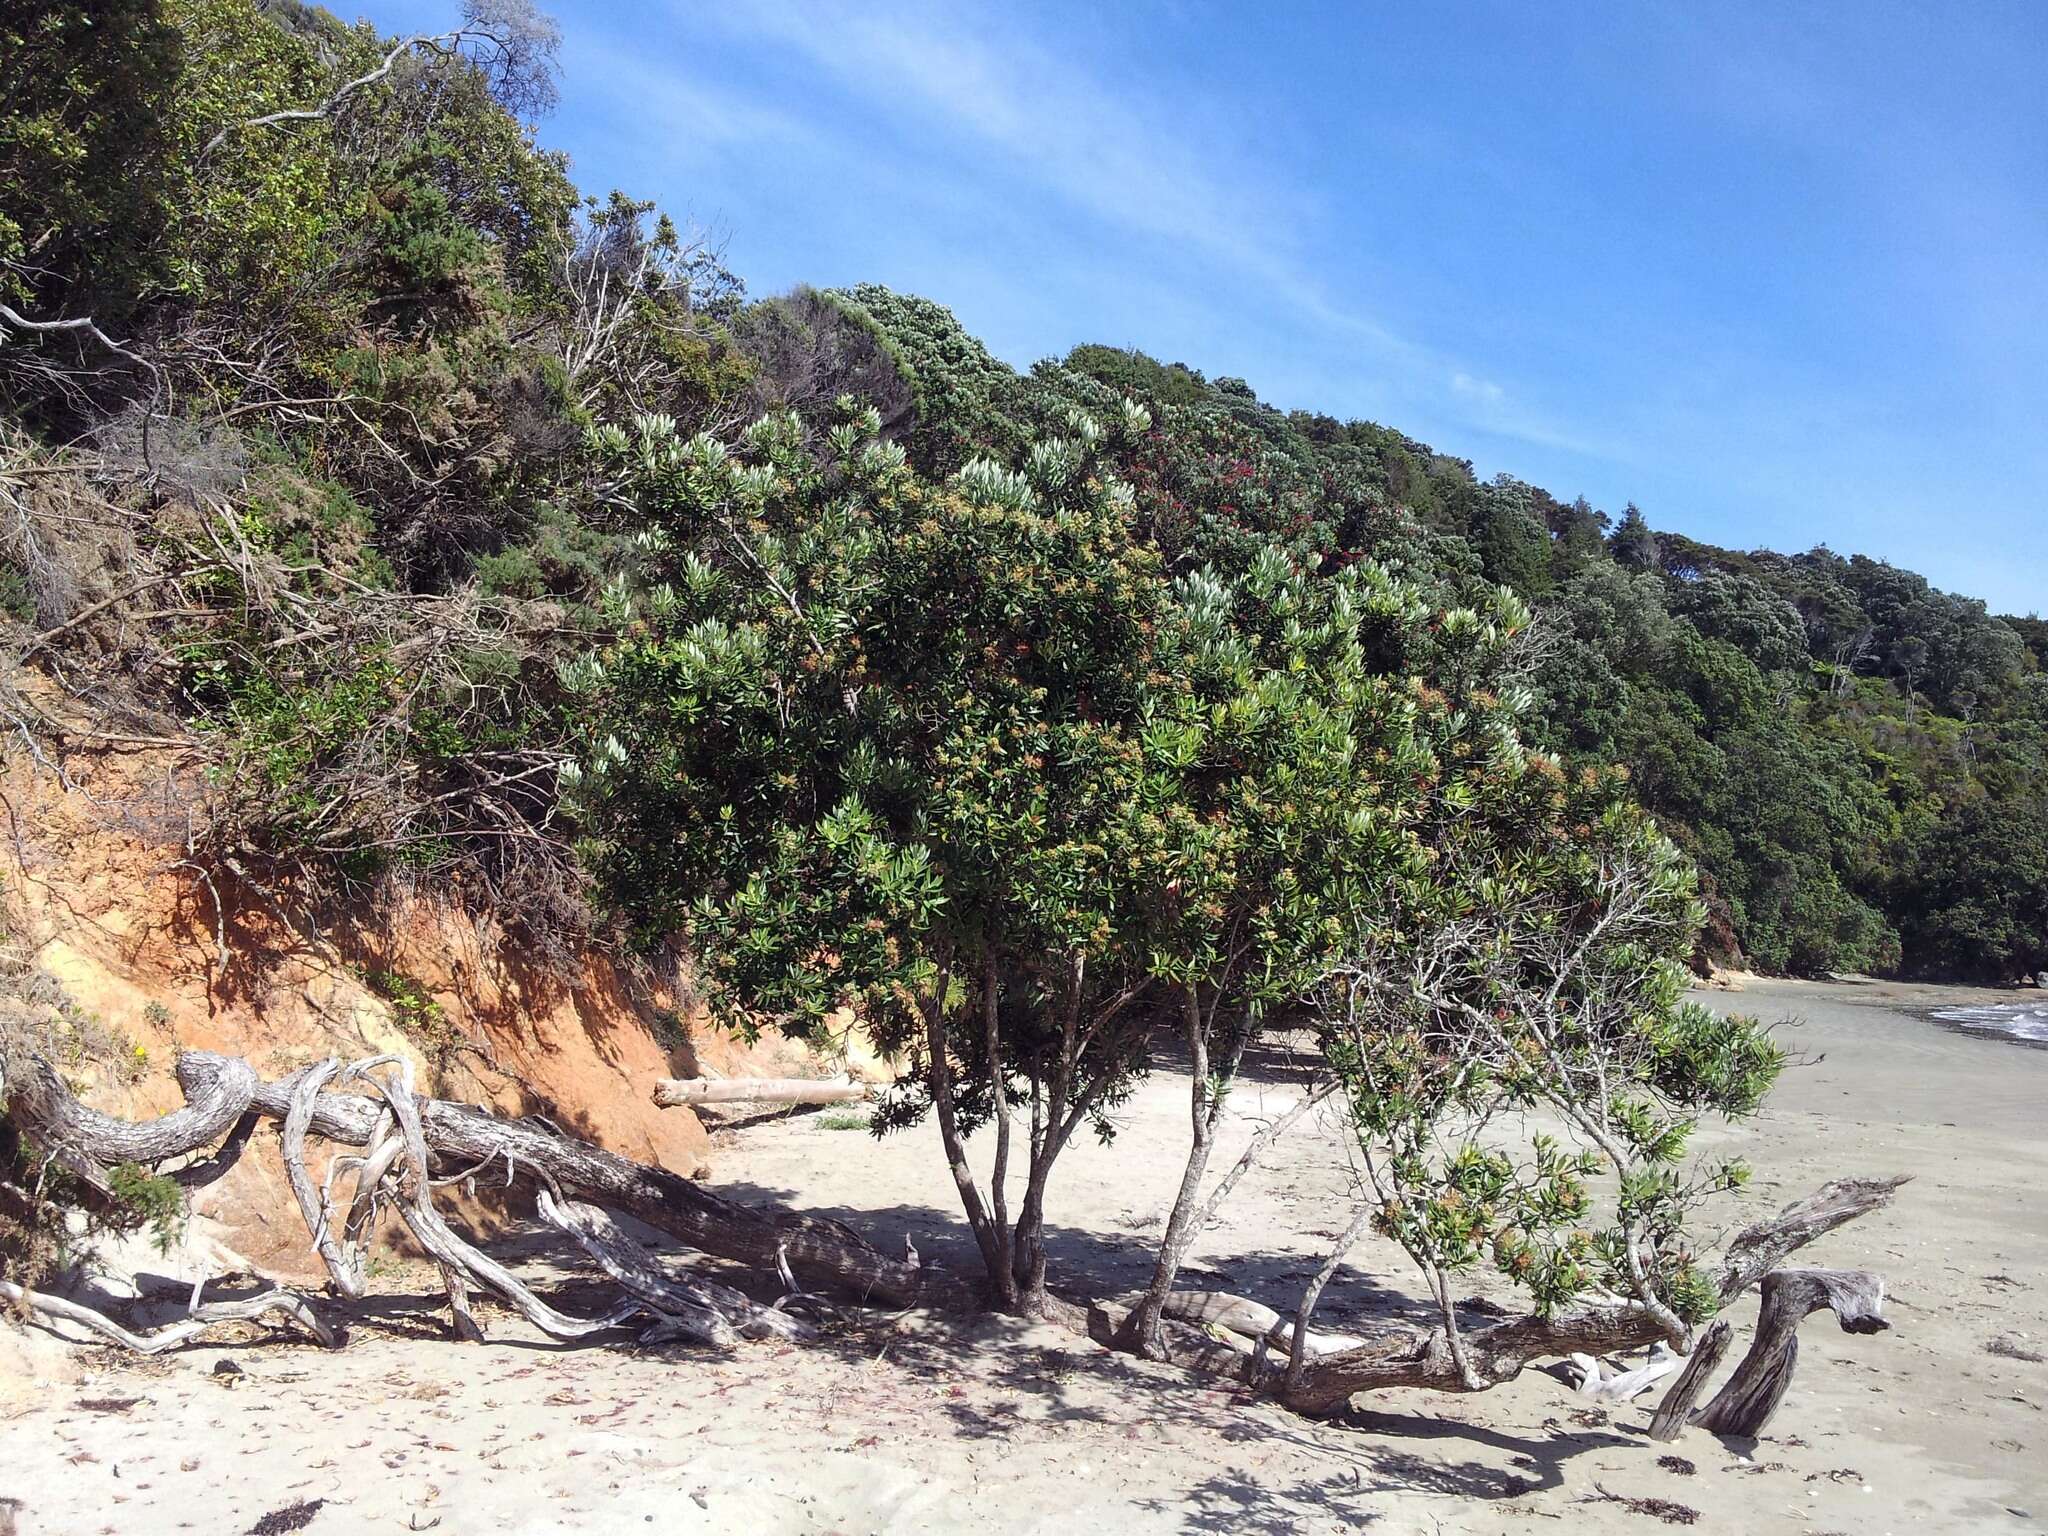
[326, 458]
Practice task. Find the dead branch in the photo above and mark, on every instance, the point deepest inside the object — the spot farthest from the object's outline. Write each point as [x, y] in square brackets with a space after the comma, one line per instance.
[522, 53]
[405, 1136]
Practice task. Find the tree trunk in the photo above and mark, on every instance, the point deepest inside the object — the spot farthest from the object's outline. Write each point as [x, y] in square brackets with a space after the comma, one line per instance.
[824, 1250]
[1410, 1356]
[1142, 1330]
[1312, 1293]
[939, 1071]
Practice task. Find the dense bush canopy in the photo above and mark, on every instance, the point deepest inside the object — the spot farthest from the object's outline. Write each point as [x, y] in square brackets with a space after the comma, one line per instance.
[361, 361]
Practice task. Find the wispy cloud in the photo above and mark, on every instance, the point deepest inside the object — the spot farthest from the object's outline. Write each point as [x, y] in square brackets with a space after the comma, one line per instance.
[994, 102]
[1111, 153]
[681, 115]
[1483, 390]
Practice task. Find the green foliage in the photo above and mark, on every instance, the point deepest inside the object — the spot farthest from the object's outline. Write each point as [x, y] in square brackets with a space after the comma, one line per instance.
[86, 91]
[148, 1200]
[1536, 976]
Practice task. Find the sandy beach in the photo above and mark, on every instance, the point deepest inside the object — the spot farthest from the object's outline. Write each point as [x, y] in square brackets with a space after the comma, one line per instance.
[918, 1423]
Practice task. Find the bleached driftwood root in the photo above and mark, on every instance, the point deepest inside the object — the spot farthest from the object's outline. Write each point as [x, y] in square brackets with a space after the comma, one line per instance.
[1623, 1386]
[409, 1143]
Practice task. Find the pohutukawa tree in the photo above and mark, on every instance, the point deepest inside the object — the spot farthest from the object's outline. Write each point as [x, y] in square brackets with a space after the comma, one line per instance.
[962, 758]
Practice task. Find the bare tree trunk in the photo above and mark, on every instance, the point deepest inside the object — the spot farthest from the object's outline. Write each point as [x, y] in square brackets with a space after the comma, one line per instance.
[940, 1076]
[1297, 1354]
[1204, 1109]
[1004, 1274]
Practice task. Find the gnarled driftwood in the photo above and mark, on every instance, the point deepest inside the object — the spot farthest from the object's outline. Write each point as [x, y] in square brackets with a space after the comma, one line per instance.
[1745, 1404]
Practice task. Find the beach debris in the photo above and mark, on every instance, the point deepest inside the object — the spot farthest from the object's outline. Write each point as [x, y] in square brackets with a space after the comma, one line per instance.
[675, 1092]
[1668, 1510]
[1678, 1466]
[292, 1517]
[1621, 1386]
[2007, 1349]
[106, 1404]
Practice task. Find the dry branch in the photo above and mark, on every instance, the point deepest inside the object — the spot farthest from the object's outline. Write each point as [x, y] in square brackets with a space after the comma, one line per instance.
[201, 1318]
[405, 1136]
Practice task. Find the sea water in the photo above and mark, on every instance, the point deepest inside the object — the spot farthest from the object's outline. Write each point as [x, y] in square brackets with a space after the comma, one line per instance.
[2011, 1021]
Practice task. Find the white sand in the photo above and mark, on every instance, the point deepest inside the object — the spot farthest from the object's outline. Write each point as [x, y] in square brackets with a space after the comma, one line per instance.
[931, 1426]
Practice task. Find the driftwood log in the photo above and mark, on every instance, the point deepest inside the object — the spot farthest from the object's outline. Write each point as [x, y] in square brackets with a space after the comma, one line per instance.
[1752, 1394]
[676, 1092]
[411, 1143]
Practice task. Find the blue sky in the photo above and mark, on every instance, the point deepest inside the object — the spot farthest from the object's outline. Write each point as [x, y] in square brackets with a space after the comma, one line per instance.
[1776, 272]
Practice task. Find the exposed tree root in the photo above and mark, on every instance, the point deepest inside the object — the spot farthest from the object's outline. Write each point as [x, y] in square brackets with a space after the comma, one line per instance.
[406, 1140]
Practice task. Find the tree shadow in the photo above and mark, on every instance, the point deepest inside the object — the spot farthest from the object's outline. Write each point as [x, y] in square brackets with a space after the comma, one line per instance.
[1091, 1265]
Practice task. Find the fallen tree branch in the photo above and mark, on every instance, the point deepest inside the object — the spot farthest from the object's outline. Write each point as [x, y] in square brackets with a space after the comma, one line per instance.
[676, 1092]
[1409, 1356]
[203, 1317]
[220, 1089]
[86, 1142]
